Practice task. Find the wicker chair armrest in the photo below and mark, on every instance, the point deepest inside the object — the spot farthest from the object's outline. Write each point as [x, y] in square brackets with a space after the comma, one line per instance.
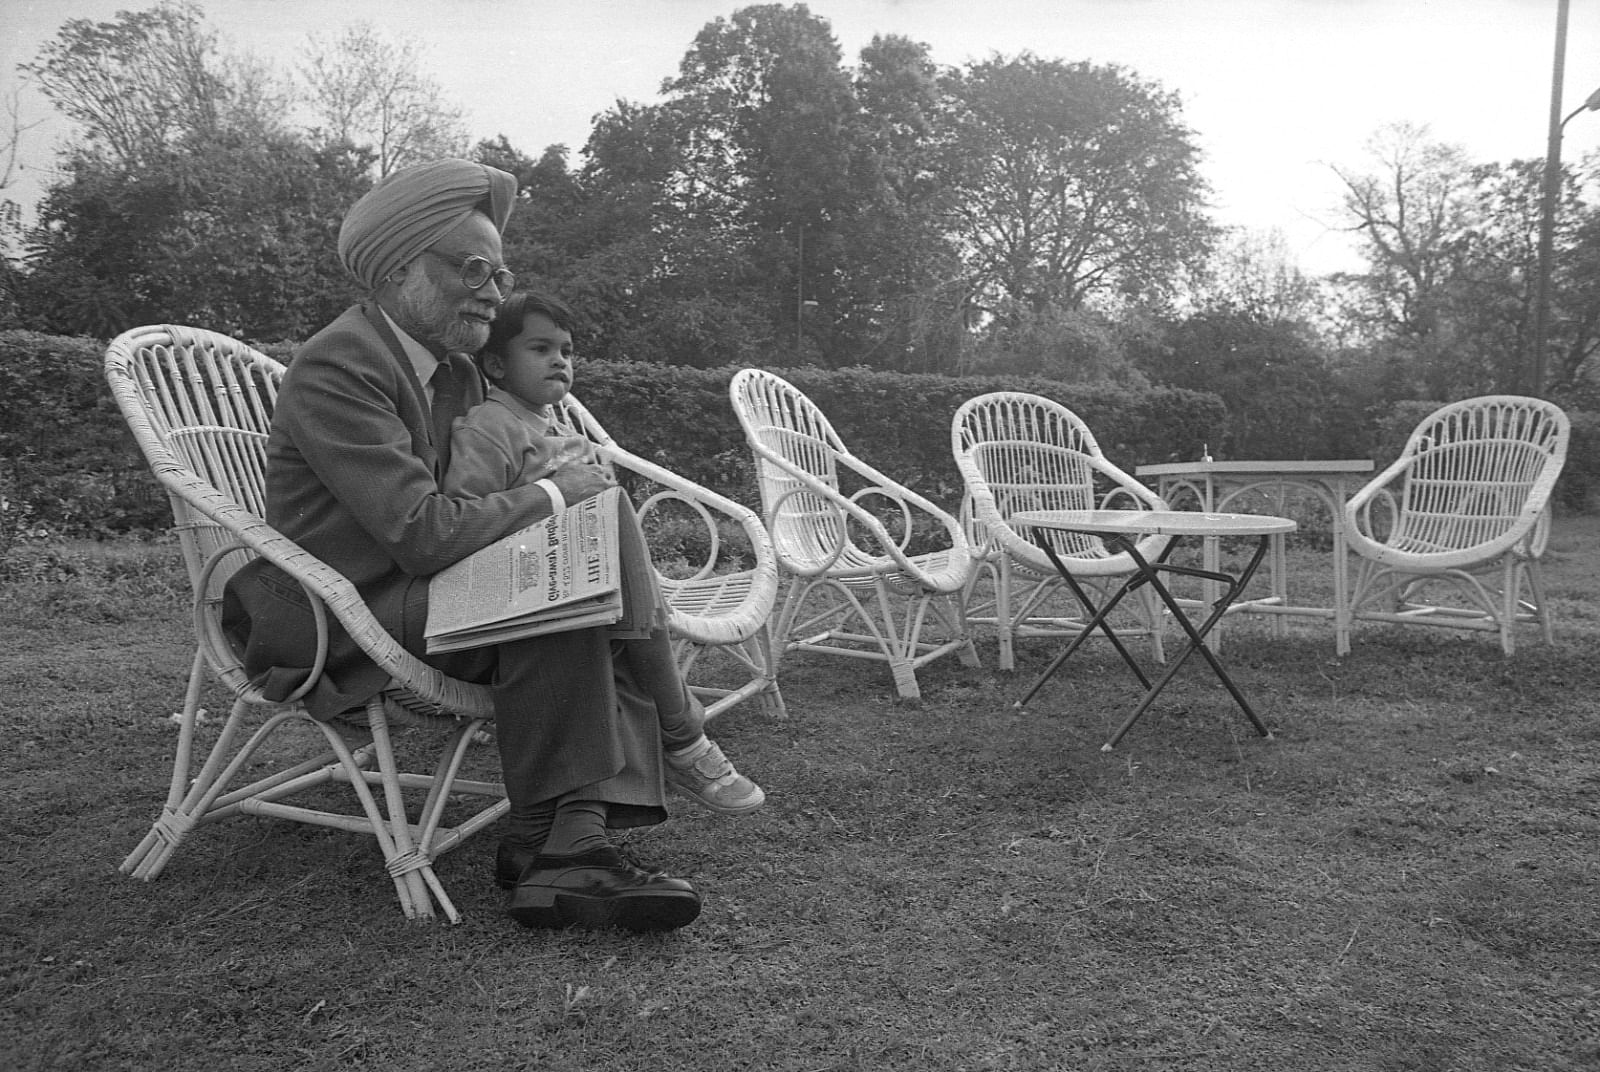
[1126, 485]
[854, 511]
[1357, 506]
[333, 590]
[702, 498]
[886, 486]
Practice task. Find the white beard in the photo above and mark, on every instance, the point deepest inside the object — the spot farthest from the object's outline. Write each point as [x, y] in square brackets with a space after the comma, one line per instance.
[427, 316]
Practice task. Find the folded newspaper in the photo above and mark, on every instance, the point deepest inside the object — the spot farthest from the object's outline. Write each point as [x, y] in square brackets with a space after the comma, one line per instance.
[583, 567]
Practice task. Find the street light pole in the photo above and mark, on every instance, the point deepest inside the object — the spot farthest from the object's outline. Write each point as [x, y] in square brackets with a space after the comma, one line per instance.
[801, 302]
[800, 289]
[1550, 195]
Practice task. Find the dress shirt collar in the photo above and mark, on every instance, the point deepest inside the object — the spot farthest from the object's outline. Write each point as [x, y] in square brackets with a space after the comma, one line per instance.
[422, 362]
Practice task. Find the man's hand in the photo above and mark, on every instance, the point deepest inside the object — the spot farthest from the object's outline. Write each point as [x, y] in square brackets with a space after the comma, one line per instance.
[580, 480]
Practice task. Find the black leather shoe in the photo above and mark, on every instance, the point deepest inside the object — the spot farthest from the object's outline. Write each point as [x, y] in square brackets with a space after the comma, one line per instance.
[510, 861]
[601, 889]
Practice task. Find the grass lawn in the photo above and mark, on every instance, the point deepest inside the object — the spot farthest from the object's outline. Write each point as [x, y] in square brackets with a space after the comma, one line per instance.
[1405, 878]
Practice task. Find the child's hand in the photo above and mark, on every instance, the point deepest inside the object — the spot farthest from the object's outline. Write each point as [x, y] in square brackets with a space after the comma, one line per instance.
[580, 480]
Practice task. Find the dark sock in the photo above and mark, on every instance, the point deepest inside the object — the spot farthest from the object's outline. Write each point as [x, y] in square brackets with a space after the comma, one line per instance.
[579, 827]
[681, 730]
[528, 825]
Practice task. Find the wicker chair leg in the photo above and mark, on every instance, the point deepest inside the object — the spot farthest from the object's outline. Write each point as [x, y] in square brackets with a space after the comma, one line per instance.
[905, 679]
[410, 868]
[1155, 620]
[899, 646]
[770, 700]
[956, 621]
[180, 816]
[772, 651]
[136, 862]
[1005, 629]
[976, 611]
[760, 651]
[1541, 605]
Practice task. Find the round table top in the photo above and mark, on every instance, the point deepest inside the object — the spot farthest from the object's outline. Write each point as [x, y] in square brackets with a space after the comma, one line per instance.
[1155, 522]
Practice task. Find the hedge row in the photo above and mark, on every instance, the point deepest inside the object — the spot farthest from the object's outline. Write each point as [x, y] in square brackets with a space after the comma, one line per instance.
[900, 424]
[68, 465]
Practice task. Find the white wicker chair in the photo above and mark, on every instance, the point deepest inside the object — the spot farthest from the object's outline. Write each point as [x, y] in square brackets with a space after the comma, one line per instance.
[1464, 512]
[854, 589]
[706, 608]
[199, 405]
[1019, 451]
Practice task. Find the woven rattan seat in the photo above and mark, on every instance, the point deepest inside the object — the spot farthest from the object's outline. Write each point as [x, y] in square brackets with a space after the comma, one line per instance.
[199, 404]
[1451, 534]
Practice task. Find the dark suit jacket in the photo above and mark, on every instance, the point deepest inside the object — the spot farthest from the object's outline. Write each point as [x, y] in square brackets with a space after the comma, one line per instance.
[353, 478]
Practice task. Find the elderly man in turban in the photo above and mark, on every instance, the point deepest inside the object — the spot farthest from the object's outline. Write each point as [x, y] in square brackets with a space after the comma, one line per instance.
[358, 444]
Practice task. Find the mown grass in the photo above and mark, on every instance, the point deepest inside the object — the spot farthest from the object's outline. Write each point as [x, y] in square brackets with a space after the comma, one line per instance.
[1404, 878]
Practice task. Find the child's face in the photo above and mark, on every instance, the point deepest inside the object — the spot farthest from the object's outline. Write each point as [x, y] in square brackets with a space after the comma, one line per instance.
[537, 366]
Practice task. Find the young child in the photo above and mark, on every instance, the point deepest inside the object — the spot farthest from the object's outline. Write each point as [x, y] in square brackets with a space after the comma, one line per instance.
[513, 438]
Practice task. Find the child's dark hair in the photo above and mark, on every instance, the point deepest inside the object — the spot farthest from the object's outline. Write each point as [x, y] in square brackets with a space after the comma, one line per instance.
[514, 312]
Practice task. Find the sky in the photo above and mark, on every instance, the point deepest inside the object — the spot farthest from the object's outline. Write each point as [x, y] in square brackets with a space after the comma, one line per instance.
[1278, 92]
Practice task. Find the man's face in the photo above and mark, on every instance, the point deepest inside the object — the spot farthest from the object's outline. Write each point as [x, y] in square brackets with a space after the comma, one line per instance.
[537, 366]
[434, 306]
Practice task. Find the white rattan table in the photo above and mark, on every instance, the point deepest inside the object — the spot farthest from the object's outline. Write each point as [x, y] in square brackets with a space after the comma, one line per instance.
[1224, 486]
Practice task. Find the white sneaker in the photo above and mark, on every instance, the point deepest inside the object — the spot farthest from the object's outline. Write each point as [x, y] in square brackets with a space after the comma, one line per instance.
[702, 772]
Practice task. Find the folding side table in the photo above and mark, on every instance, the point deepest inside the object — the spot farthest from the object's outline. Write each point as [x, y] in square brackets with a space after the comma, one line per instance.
[1121, 530]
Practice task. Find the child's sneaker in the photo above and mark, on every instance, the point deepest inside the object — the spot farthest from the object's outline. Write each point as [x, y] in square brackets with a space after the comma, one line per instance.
[701, 771]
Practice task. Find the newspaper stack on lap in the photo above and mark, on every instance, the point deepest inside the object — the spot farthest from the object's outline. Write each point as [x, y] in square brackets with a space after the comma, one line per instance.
[583, 567]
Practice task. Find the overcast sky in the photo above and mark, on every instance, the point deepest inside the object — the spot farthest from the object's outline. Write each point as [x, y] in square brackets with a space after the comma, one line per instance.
[1275, 90]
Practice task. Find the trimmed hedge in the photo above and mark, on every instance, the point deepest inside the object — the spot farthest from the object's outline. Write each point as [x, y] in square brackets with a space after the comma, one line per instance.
[898, 423]
[68, 464]
[69, 467]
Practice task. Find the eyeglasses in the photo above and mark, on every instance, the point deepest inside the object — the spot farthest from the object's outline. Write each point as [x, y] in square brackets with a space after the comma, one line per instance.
[477, 271]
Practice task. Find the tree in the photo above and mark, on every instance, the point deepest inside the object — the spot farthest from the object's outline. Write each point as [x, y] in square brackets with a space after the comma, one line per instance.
[912, 292]
[12, 129]
[1068, 181]
[1575, 282]
[236, 234]
[187, 198]
[765, 114]
[539, 239]
[681, 232]
[10, 212]
[1255, 273]
[137, 85]
[1281, 397]
[369, 92]
[1066, 345]
[1416, 217]
[646, 283]
[774, 194]
[1447, 300]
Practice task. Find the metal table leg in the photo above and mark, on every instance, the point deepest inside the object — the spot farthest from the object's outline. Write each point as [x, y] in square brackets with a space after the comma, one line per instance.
[1098, 617]
[1231, 587]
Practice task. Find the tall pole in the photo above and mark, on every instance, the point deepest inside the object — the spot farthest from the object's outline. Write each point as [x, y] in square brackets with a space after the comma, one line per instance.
[800, 289]
[1547, 213]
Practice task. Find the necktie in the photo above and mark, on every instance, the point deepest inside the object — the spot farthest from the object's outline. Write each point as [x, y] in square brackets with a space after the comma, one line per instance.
[446, 407]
